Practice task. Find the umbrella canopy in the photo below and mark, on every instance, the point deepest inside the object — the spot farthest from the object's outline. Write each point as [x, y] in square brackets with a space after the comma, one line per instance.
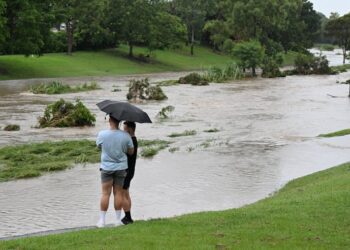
[124, 111]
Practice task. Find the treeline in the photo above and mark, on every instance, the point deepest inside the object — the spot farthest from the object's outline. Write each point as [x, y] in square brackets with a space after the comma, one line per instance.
[37, 27]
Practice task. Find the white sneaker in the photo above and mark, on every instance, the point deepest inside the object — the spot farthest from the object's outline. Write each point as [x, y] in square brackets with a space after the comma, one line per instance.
[100, 224]
[118, 223]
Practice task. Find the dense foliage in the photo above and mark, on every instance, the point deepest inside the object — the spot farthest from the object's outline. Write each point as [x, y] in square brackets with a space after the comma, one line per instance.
[142, 90]
[66, 114]
[55, 88]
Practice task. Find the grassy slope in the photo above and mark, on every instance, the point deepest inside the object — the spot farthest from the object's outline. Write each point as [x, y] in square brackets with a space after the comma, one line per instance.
[112, 62]
[309, 213]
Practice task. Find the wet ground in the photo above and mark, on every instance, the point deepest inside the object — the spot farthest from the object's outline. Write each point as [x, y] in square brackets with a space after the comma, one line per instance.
[267, 136]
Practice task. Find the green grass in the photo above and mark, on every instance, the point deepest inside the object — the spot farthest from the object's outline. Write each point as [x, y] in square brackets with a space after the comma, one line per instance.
[337, 133]
[106, 63]
[112, 62]
[152, 147]
[55, 88]
[341, 68]
[289, 58]
[33, 160]
[185, 133]
[308, 213]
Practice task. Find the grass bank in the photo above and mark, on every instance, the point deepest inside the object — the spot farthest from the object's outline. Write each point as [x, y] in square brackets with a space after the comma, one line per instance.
[111, 62]
[308, 213]
[106, 63]
[337, 133]
[33, 160]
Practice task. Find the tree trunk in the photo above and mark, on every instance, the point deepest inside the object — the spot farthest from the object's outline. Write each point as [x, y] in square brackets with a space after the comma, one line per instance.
[344, 54]
[192, 40]
[131, 50]
[70, 37]
[254, 72]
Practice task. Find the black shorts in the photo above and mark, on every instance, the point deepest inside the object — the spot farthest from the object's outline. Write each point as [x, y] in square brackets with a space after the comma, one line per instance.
[128, 178]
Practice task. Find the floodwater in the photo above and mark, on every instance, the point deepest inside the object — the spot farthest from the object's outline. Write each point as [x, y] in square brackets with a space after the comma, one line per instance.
[267, 136]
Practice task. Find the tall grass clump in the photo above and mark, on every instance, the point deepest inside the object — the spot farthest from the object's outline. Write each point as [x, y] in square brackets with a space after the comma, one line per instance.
[55, 88]
[218, 74]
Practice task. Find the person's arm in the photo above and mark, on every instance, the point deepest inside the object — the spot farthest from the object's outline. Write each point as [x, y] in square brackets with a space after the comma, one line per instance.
[99, 141]
[130, 146]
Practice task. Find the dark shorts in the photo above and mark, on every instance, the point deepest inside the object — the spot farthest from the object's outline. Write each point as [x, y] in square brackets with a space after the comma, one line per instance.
[117, 177]
[128, 178]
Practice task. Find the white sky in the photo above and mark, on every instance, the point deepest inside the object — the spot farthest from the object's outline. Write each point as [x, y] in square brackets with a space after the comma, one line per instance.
[328, 6]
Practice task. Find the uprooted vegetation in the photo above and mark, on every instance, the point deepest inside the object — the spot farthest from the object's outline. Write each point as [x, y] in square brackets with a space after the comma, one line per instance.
[12, 127]
[152, 147]
[336, 134]
[185, 133]
[142, 90]
[66, 114]
[194, 79]
[55, 87]
[164, 113]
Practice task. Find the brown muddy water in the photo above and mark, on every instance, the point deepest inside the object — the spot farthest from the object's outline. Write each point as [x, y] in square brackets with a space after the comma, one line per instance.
[267, 136]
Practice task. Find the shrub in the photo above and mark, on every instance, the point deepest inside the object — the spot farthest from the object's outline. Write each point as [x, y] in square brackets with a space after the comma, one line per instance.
[249, 55]
[306, 64]
[142, 90]
[12, 127]
[193, 79]
[271, 67]
[66, 114]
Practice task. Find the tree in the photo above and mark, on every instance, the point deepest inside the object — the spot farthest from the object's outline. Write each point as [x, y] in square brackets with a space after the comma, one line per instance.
[130, 20]
[24, 25]
[74, 14]
[249, 55]
[2, 22]
[339, 28]
[167, 31]
[193, 14]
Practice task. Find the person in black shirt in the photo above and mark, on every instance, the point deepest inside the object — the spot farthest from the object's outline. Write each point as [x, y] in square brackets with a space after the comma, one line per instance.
[129, 127]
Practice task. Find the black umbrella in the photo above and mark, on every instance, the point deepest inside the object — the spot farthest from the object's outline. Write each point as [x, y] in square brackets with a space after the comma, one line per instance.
[124, 111]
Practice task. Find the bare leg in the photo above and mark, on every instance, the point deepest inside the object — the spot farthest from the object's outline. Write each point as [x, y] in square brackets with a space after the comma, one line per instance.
[106, 193]
[118, 197]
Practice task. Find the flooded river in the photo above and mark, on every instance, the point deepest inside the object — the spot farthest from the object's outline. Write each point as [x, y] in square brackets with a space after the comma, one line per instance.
[267, 136]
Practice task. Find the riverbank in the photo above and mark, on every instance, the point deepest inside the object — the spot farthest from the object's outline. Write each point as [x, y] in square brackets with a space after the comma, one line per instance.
[111, 63]
[310, 212]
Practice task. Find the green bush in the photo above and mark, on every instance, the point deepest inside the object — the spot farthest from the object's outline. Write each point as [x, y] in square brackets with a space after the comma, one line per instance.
[194, 79]
[271, 67]
[66, 114]
[142, 90]
[12, 127]
[306, 64]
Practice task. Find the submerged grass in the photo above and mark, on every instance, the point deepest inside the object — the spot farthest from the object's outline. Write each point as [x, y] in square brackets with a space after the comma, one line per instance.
[152, 147]
[32, 160]
[337, 133]
[213, 130]
[185, 133]
[55, 88]
[308, 213]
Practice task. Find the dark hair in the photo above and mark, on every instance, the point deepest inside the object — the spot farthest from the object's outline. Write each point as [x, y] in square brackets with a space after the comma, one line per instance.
[131, 125]
[114, 120]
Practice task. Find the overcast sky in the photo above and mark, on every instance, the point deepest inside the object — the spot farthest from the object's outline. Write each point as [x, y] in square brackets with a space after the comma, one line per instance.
[328, 6]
